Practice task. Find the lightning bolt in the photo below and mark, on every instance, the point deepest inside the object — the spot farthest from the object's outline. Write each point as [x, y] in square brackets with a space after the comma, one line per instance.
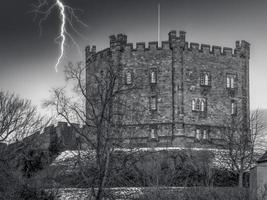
[68, 16]
[62, 32]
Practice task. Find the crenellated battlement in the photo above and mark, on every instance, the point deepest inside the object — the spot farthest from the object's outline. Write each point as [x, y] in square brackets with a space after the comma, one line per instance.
[102, 54]
[119, 42]
[89, 51]
[142, 46]
[217, 50]
[98, 55]
[205, 48]
[243, 48]
[194, 46]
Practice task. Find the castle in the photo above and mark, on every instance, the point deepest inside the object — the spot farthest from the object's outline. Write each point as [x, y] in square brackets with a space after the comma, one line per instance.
[187, 89]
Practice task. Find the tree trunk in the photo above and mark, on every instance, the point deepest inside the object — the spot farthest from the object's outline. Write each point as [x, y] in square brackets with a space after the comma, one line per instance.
[103, 178]
[240, 179]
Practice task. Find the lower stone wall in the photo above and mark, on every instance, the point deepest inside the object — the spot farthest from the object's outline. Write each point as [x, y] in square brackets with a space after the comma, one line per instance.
[137, 193]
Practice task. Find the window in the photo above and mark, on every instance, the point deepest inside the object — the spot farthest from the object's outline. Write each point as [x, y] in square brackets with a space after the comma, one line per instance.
[205, 79]
[202, 134]
[128, 76]
[193, 104]
[153, 133]
[153, 103]
[230, 81]
[199, 104]
[233, 108]
[205, 135]
[202, 105]
[153, 76]
[198, 134]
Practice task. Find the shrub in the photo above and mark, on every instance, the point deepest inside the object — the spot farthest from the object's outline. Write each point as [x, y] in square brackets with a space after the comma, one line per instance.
[32, 193]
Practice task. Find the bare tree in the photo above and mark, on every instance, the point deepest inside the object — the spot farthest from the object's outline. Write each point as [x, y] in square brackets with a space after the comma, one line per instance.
[103, 95]
[243, 144]
[18, 118]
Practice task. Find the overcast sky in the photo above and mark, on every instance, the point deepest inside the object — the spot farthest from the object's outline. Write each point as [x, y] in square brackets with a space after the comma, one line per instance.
[27, 58]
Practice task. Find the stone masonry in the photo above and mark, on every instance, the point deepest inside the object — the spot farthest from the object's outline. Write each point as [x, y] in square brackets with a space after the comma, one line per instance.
[187, 89]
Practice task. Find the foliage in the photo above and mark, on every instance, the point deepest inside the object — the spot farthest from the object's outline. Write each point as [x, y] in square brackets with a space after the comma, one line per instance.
[32, 193]
[18, 118]
[20, 123]
[34, 161]
[181, 168]
[242, 139]
[102, 94]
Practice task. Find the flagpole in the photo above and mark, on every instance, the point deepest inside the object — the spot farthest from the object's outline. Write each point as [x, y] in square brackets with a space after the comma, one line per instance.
[159, 25]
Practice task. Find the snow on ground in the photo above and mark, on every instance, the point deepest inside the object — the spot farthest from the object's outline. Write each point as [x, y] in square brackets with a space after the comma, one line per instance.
[69, 157]
[120, 193]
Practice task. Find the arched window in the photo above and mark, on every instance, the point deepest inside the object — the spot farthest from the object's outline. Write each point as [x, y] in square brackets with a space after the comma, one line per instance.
[199, 104]
[128, 77]
[198, 134]
[202, 105]
[230, 81]
[153, 76]
[193, 104]
[153, 103]
[152, 133]
[206, 79]
[233, 108]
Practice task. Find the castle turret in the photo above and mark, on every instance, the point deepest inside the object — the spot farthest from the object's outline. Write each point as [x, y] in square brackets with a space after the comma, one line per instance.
[118, 42]
[245, 49]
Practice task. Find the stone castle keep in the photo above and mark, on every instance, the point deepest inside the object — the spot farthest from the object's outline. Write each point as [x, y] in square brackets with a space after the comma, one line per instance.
[187, 89]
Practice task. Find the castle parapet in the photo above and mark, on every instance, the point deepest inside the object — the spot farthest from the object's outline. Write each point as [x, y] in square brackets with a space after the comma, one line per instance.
[89, 51]
[172, 35]
[217, 50]
[227, 51]
[242, 49]
[129, 47]
[245, 49]
[119, 40]
[153, 45]
[140, 46]
[165, 45]
[194, 46]
[182, 36]
[205, 48]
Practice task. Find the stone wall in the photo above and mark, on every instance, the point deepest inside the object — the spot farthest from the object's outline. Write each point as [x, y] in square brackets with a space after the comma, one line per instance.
[66, 137]
[178, 66]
